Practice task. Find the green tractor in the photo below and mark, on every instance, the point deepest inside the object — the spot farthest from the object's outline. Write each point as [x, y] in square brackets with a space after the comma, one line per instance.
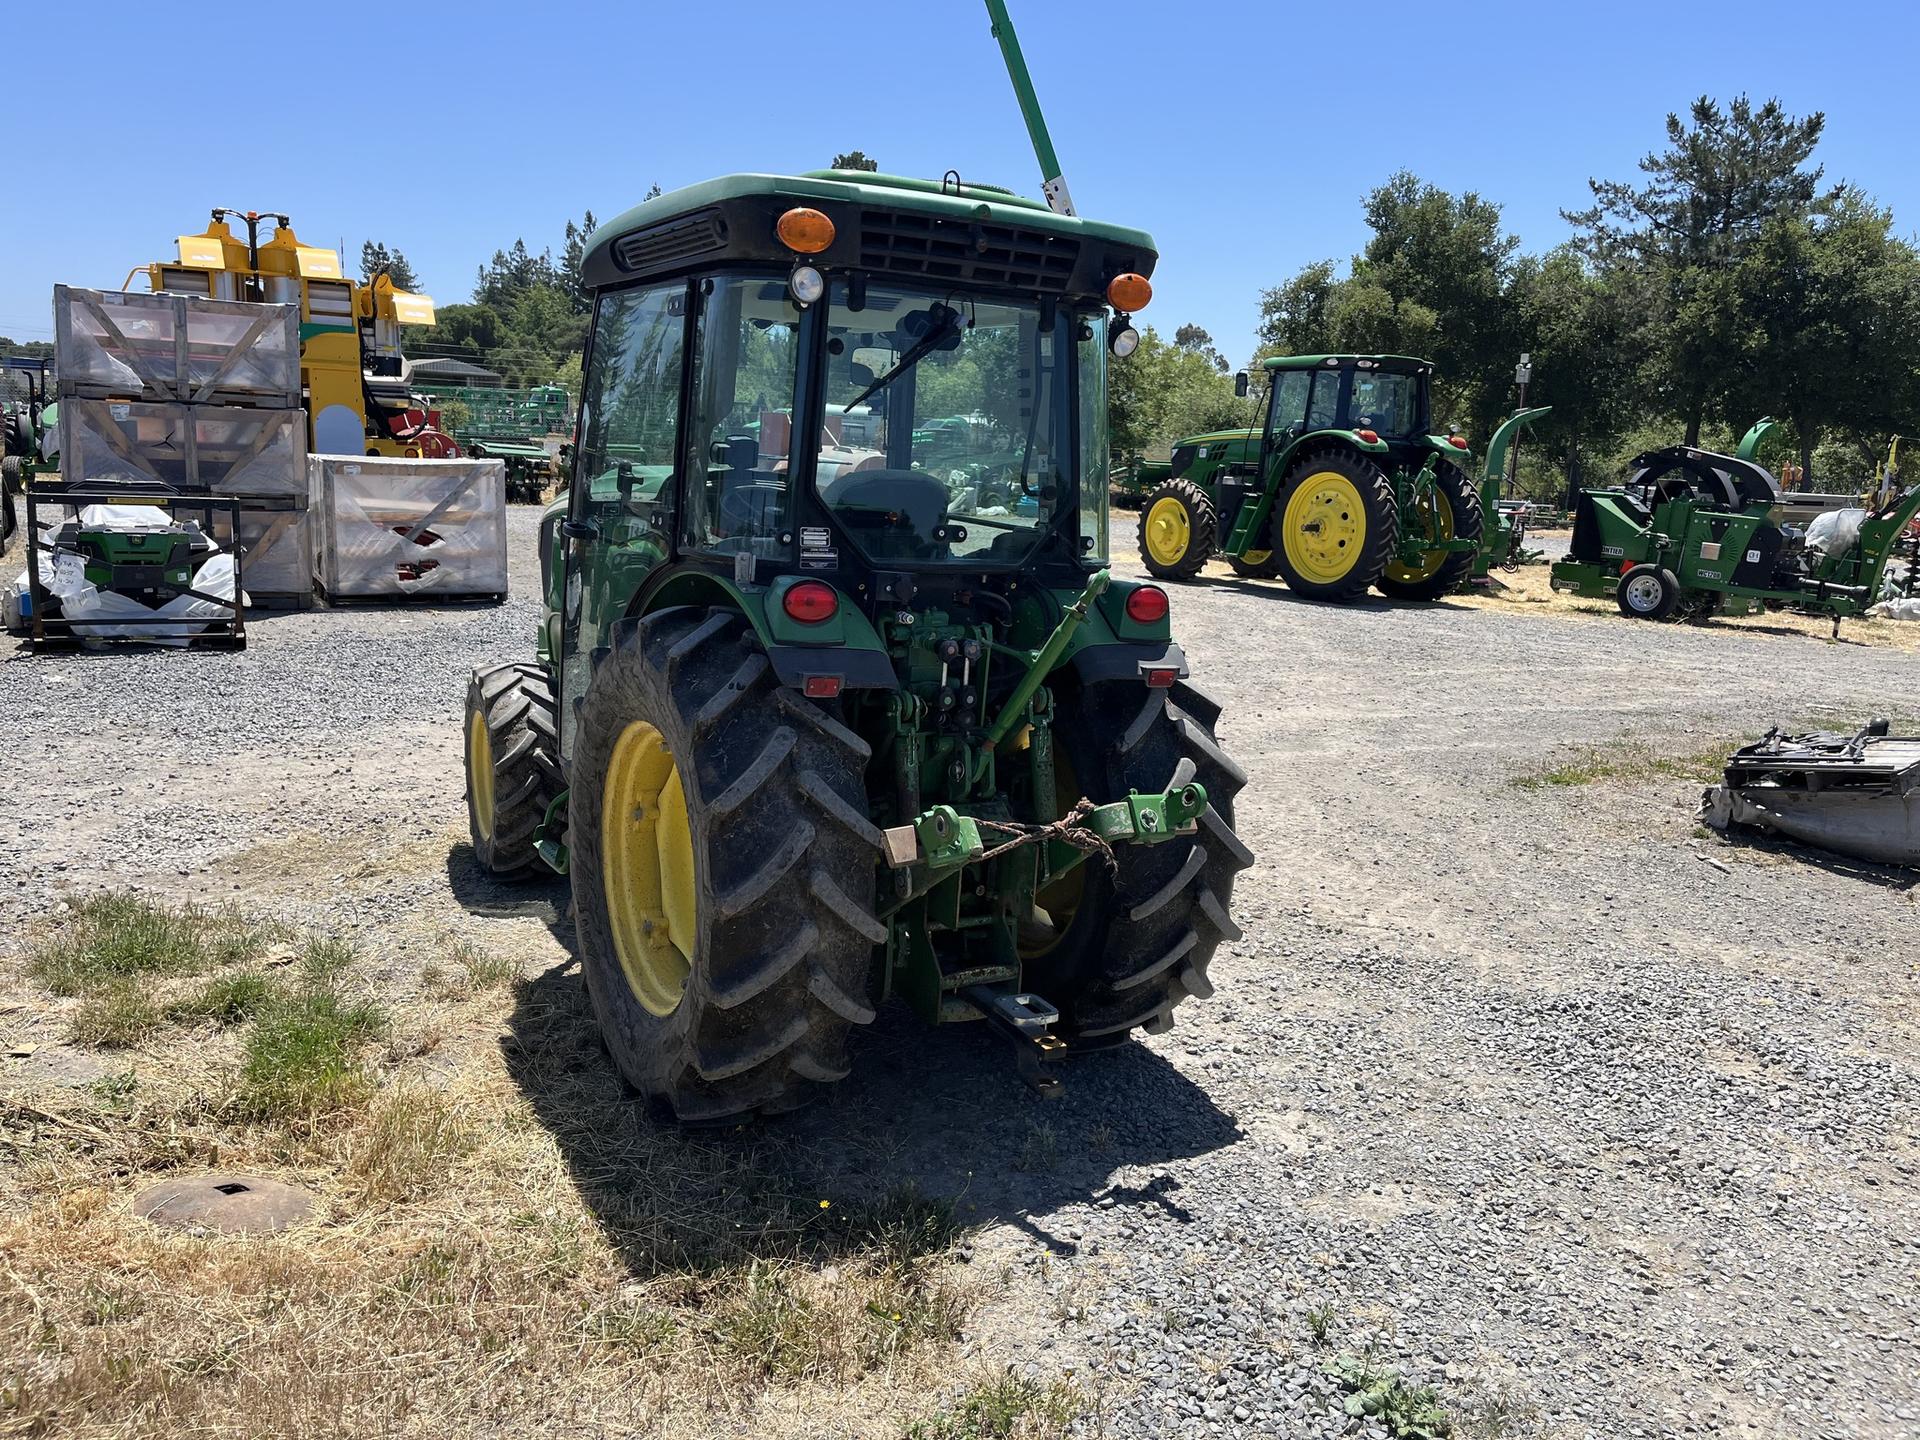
[1344, 489]
[814, 723]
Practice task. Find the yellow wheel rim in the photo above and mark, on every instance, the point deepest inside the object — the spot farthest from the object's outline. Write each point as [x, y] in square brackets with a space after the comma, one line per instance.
[1061, 900]
[1324, 529]
[480, 773]
[1168, 531]
[646, 868]
[1435, 517]
[1257, 557]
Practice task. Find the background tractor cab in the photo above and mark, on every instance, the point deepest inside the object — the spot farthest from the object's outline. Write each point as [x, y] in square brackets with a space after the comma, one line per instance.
[352, 364]
[1343, 488]
[835, 699]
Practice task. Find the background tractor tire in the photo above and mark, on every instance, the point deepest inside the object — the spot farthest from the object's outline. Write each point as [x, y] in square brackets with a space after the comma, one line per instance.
[1257, 564]
[1335, 525]
[1647, 592]
[773, 927]
[513, 765]
[1178, 528]
[1139, 942]
[1442, 571]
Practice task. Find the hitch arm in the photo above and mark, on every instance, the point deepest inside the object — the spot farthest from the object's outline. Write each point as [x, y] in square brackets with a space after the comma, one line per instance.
[1043, 663]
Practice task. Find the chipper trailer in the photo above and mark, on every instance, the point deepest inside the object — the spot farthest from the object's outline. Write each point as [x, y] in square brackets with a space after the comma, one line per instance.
[1692, 532]
[1341, 490]
[813, 723]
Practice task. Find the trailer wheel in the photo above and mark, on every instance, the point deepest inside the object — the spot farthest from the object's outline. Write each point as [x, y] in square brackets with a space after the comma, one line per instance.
[1337, 525]
[513, 766]
[1647, 592]
[1139, 942]
[1453, 513]
[1178, 527]
[723, 870]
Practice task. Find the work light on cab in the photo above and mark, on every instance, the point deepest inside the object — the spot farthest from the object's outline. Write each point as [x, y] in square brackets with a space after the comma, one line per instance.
[806, 231]
[810, 602]
[1147, 605]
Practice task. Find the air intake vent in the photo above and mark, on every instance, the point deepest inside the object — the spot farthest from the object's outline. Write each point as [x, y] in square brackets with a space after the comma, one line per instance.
[676, 240]
[966, 251]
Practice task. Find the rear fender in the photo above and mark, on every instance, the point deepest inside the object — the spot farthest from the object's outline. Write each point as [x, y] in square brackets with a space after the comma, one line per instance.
[845, 646]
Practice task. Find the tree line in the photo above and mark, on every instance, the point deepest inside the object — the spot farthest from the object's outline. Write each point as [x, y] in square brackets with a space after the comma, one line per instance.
[1727, 281]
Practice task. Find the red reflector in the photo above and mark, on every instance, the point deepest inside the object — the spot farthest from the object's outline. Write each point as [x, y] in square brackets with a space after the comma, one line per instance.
[1459, 442]
[810, 602]
[1147, 605]
[820, 687]
[1161, 679]
[1370, 436]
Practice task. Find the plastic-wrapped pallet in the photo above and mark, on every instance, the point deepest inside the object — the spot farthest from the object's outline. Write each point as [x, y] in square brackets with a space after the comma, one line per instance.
[276, 542]
[180, 348]
[221, 449]
[393, 529]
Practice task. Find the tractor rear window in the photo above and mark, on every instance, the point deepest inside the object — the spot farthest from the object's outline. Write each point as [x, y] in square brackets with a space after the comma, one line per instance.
[1384, 402]
[944, 440]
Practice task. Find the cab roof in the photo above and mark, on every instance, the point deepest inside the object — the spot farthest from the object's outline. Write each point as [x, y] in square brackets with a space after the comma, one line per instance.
[963, 232]
[1402, 364]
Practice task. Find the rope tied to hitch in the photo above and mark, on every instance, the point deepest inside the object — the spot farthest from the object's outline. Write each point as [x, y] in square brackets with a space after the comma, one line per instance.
[1070, 829]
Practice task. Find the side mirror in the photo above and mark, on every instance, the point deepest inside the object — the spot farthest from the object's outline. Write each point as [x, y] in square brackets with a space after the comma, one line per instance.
[1240, 385]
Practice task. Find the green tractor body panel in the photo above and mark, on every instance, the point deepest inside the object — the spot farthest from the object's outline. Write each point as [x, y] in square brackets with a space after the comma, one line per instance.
[1708, 524]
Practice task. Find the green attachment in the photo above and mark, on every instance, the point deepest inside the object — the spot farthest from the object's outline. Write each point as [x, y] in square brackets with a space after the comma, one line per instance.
[1503, 438]
[552, 852]
[1750, 442]
[947, 838]
[1148, 819]
[1052, 184]
[1037, 672]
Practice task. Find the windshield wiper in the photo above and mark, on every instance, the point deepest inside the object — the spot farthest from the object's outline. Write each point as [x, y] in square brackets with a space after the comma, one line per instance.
[945, 322]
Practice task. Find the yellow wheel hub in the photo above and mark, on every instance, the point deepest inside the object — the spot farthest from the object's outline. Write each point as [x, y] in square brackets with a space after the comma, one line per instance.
[480, 773]
[1434, 515]
[1324, 529]
[646, 868]
[1168, 531]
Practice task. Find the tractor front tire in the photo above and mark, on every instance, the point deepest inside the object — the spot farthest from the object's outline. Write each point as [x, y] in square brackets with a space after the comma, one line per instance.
[1336, 525]
[723, 870]
[1141, 938]
[513, 765]
[1647, 592]
[1178, 528]
[1257, 564]
[1459, 517]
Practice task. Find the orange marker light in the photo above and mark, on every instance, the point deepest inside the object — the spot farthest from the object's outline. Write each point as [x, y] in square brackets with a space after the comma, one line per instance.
[1372, 437]
[1128, 293]
[1459, 442]
[805, 230]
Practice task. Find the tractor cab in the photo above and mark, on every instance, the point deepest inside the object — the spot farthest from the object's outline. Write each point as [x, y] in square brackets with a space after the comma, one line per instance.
[836, 699]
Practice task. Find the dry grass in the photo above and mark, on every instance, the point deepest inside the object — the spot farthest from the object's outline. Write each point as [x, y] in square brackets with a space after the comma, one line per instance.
[504, 1244]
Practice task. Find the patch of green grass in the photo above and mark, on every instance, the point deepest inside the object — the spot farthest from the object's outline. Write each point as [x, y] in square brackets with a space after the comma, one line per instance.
[1320, 1321]
[1000, 1409]
[303, 1055]
[1379, 1393]
[485, 970]
[115, 1015]
[324, 959]
[1700, 764]
[116, 938]
[1039, 1152]
[771, 1325]
[224, 1000]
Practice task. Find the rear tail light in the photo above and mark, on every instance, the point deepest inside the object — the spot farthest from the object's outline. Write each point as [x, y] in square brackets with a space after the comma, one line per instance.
[1458, 442]
[1147, 605]
[820, 687]
[1370, 436]
[1162, 679]
[810, 602]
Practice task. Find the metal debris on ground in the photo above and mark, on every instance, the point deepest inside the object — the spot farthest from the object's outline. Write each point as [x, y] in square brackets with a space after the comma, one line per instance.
[1855, 794]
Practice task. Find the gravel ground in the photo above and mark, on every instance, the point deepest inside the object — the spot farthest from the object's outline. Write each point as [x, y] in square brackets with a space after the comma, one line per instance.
[1504, 1086]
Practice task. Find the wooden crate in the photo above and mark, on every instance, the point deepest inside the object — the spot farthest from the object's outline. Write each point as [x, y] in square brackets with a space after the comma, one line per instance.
[184, 349]
[400, 529]
[221, 450]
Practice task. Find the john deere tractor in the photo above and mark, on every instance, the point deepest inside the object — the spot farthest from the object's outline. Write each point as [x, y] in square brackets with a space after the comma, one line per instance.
[823, 715]
[1341, 490]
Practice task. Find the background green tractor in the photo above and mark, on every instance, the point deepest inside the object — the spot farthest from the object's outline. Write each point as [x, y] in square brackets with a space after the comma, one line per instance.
[834, 698]
[1343, 489]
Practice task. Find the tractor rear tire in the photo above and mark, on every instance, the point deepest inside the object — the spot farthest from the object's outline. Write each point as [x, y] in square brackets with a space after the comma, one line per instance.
[1141, 939]
[1178, 529]
[1335, 524]
[724, 976]
[513, 765]
[1647, 592]
[1442, 571]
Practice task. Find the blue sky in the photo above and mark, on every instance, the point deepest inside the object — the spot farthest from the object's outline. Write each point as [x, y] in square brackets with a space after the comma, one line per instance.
[1242, 133]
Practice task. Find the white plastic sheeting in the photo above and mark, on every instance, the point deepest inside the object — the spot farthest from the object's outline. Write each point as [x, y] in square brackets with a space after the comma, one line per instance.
[1907, 609]
[176, 347]
[1836, 531]
[220, 449]
[93, 611]
[400, 528]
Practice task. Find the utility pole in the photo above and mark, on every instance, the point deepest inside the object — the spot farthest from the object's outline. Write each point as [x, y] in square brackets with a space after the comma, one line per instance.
[1522, 373]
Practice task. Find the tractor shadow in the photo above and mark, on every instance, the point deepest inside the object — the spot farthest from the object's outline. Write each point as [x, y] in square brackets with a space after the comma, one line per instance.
[1370, 604]
[929, 1119]
[545, 897]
